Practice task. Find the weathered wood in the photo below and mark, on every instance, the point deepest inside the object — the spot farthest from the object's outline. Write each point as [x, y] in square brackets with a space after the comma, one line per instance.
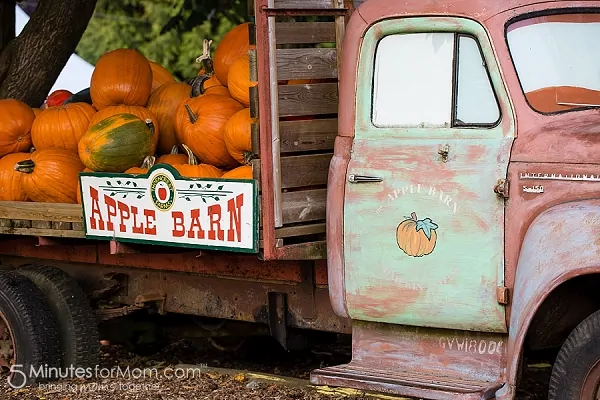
[309, 170]
[5, 223]
[41, 232]
[41, 224]
[311, 63]
[308, 135]
[327, 4]
[65, 226]
[77, 226]
[304, 251]
[41, 211]
[304, 206]
[301, 230]
[305, 32]
[21, 223]
[312, 99]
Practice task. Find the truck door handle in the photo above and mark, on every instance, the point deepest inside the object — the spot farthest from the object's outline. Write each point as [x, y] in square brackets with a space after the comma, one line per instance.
[363, 178]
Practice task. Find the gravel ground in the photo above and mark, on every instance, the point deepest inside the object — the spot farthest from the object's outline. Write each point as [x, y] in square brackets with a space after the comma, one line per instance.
[215, 375]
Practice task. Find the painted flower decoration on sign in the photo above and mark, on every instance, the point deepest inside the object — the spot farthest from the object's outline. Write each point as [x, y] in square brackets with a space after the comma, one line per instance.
[416, 237]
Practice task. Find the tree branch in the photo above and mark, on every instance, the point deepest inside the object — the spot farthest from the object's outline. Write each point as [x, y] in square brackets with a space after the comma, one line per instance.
[36, 58]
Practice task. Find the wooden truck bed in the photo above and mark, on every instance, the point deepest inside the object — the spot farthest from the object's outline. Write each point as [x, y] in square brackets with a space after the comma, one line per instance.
[292, 140]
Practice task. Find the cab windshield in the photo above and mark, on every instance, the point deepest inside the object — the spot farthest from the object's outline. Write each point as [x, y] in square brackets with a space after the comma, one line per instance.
[557, 58]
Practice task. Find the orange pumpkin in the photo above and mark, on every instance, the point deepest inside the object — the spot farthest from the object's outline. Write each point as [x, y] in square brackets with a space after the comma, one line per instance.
[16, 119]
[61, 127]
[238, 80]
[163, 103]
[51, 175]
[140, 112]
[36, 111]
[173, 158]
[160, 75]
[201, 126]
[234, 44]
[11, 181]
[121, 76]
[79, 186]
[146, 165]
[194, 170]
[415, 237]
[238, 139]
[243, 172]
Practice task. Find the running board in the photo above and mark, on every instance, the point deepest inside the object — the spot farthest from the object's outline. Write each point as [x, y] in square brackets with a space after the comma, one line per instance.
[420, 362]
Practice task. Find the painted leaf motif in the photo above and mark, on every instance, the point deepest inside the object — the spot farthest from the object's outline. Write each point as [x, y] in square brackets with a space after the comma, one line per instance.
[427, 226]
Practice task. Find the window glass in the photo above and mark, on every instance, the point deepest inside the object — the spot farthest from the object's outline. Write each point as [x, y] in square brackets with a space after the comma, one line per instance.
[475, 100]
[413, 80]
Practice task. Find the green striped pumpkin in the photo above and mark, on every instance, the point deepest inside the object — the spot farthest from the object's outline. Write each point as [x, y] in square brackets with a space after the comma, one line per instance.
[117, 143]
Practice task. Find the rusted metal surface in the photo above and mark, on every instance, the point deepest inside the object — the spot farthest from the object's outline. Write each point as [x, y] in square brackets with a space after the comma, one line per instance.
[238, 299]
[420, 362]
[560, 244]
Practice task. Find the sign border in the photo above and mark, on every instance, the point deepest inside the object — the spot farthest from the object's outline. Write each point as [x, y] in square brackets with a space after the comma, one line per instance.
[255, 218]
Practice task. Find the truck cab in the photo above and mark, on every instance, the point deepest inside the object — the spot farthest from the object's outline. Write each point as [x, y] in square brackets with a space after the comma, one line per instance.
[464, 195]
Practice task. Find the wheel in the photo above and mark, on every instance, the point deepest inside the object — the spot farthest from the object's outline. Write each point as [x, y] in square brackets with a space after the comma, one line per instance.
[28, 332]
[576, 371]
[76, 322]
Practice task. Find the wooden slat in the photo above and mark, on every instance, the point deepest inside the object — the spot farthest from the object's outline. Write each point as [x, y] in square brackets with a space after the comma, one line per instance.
[300, 171]
[303, 206]
[42, 232]
[327, 4]
[308, 63]
[305, 32]
[313, 99]
[41, 211]
[41, 224]
[308, 135]
[302, 230]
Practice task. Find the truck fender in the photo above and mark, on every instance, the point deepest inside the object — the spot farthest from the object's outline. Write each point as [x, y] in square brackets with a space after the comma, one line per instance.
[563, 242]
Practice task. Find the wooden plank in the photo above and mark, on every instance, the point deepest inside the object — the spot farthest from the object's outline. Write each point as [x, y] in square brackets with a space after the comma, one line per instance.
[304, 206]
[307, 135]
[309, 170]
[312, 99]
[41, 211]
[21, 223]
[326, 4]
[64, 226]
[41, 224]
[77, 226]
[304, 32]
[311, 63]
[41, 232]
[301, 230]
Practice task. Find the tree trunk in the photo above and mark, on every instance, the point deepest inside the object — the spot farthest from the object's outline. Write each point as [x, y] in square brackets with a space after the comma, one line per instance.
[32, 62]
[7, 22]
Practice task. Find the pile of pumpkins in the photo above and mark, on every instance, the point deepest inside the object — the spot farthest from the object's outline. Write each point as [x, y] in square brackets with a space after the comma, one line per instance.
[134, 115]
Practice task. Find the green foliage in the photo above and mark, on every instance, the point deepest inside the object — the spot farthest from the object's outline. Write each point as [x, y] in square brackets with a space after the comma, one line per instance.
[169, 32]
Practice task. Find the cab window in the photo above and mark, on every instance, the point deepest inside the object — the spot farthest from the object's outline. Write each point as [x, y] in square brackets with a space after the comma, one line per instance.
[432, 80]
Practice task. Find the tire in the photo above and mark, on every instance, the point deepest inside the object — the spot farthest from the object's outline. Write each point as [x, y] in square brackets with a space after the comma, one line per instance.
[76, 322]
[576, 371]
[32, 326]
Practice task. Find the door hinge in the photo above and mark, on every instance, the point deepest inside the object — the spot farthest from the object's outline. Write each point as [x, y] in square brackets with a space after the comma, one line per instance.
[502, 294]
[501, 188]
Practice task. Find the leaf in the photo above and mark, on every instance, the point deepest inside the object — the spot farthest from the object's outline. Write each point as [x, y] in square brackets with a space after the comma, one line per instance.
[127, 183]
[427, 226]
[108, 183]
[192, 186]
[187, 198]
[118, 182]
[112, 194]
[197, 185]
[139, 196]
[209, 186]
[134, 184]
[220, 187]
[204, 200]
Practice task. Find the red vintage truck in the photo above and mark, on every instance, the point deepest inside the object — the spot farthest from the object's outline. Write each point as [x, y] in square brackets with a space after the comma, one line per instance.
[445, 211]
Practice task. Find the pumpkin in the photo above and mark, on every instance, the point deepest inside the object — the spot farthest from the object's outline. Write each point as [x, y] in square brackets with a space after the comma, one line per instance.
[238, 138]
[140, 112]
[205, 61]
[163, 103]
[79, 186]
[234, 44]
[243, 172]
[201, 126]
[121, 76]
[51, 175]
[61, 127]
[415, 237]
[206, 84]
[194, 170]
[160, 75]
[11, 181]
[16, 119]
[117, 143]
[37, 111]
[146, 165]
[173, 158]
[238, 80]
[58, 97]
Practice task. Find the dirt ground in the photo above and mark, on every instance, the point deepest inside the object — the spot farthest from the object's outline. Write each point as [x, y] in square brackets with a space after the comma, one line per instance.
[185, 371]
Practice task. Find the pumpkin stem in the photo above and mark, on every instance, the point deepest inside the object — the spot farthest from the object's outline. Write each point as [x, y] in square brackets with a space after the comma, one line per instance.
[175, 150]
[148, 162]
[198, 85]
[25, 166]
[192, 160]
[193, 117]
[248, 157]
[150, 125]
[32, 149]
[414, 216]
[205, 59]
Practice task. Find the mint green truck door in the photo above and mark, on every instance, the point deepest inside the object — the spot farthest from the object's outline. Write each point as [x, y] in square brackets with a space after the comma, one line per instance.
[423, 227]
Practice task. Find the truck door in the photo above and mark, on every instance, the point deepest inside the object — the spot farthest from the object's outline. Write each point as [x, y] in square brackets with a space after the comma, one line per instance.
[423, 226]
